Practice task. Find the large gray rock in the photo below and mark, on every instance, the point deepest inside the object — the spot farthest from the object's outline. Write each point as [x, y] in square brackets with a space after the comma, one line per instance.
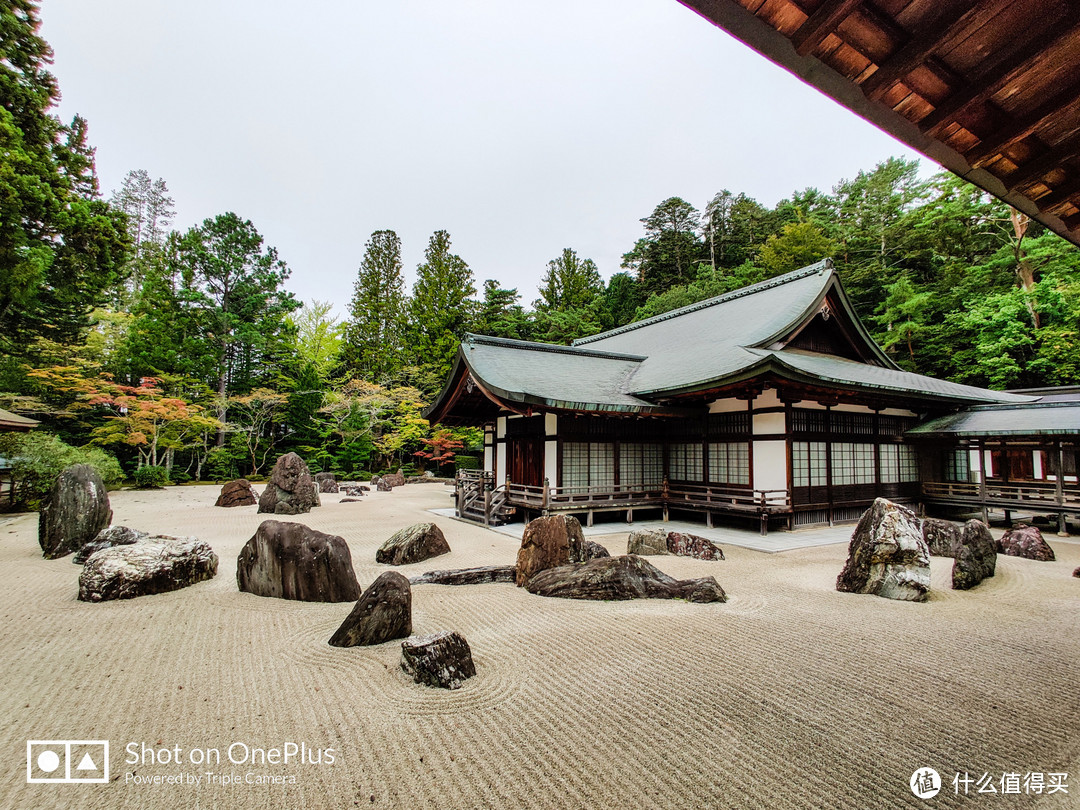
[326, 482]
[647, 542]
[393, 480]
[466, 576]
[290, 490]
[625, 577]
[887, 555]
[441, 659]
[976, 557]
[1027, 542]
[384, 612]
[237, 493]
[413, 544]
[154, 565]
[292, 561]
[107, 538]
[73, 511]
[382, 486]
[942, 537]
[587, 550]
[548, 542]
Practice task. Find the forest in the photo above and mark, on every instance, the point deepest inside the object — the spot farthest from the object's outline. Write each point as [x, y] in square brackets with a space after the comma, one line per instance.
[165, 355]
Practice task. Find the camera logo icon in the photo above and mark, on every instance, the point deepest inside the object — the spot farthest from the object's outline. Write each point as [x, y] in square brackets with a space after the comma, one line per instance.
[67, 761]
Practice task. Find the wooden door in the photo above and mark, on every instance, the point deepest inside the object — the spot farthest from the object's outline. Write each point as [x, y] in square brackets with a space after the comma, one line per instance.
[526, 462]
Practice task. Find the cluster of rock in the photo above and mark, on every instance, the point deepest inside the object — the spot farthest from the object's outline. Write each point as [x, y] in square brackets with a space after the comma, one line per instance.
[107, 538]
[356, 490]
[294, 561]
[149, 565]
[480, 575]
[413, 544]
[555, 559]
[237, 493]
[326, 482]
[75, 509]
[290, 490]
[441, 659]
[971, 546]
[648, 542]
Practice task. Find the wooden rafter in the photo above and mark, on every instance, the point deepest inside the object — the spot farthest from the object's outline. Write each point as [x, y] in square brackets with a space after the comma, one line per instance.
[1059, 196]
[1024, 125]
[821, 23]
[1052, 158]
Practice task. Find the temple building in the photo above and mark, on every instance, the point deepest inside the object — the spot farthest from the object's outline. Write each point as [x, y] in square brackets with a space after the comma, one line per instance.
[771, 402]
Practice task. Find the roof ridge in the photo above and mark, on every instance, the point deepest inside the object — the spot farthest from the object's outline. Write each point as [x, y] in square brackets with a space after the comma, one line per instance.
[741, 292]
[554, 348]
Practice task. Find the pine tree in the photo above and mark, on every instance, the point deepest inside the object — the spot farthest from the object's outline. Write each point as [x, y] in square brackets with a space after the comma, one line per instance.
[440, 308]
[374, 334]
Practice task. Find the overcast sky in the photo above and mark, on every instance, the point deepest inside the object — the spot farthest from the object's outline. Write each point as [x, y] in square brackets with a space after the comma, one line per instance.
[520, 127]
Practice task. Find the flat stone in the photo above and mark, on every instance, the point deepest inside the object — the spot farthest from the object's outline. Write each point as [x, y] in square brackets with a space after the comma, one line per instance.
[73, 511]
[442, 659]
[619, 578]
[887, 555]
[467, 576]
[349, 500]
[976, 557]
[384, 612]
[293, 561]
[942, 537]
[107, 538]
[237, 493]
[647, 542]
[1027, 542]
[290, 490]
[154, 565]
[355, 491]
[548, 542]
[413, 544]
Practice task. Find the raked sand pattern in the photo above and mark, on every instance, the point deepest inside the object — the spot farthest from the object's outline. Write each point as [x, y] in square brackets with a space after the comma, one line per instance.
[790, 695]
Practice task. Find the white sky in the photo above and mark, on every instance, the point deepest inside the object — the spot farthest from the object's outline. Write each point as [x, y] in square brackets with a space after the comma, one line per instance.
[520, 127]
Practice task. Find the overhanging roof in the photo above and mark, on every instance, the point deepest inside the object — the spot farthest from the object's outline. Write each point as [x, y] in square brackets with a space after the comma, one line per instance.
[1037, 419]
[990, 89]
[13, 422]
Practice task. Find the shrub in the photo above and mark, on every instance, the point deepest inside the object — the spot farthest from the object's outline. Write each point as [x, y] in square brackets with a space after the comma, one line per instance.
[466, 463]
[221, 464]
[151, 477]
[37, 458]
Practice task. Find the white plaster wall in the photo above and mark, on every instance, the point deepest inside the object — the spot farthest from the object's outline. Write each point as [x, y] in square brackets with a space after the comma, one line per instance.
[973, 464]
[500, 464]
[500, 427]
[551, 458]
[489, 457]
[551, 424]
[898, 412]
[853, 408]
[1037, 463]
[770, 464]
[729, 405]
[768, 399]
[765, 423]
[809, 405]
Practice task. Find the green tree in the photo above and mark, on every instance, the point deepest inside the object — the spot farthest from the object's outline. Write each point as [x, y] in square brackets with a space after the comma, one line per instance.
[570, 283]
[440, 308]
[375, 331]
[667, 254]
[317, 337]
[797, 245]
[622, 297]
[60, 246]
[500, 314]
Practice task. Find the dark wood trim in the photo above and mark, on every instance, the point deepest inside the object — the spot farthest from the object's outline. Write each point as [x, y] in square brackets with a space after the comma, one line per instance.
[821, 23]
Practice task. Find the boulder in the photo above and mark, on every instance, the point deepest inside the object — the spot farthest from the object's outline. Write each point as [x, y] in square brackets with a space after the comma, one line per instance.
[647, 542]
[237, 493]
[290, 490]
[107, 538]
[887, 555]
[442, 659]
[942, 537]
[393, 479]
[625, 577]
[384, 612]
[414, 544]
[467, 576]
[588, 550]
[691, 545]
[1026, 541]
[355, 491]
[976, 556]
[548, 542]
[326, 482]
[292, 561]
[374, 480]
[349, 500]
[382, 486]
[154, 565]
[1076, 572]
[73, 512]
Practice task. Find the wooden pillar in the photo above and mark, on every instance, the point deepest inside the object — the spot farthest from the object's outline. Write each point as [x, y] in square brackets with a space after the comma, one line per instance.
[1059, 490]
[982, 482]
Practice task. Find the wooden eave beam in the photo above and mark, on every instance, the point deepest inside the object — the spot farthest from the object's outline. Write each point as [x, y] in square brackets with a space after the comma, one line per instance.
[1023, 126]
[1053, 158]
[1009, 63]
[822, 23]
[915, 52]
[1060, 195]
